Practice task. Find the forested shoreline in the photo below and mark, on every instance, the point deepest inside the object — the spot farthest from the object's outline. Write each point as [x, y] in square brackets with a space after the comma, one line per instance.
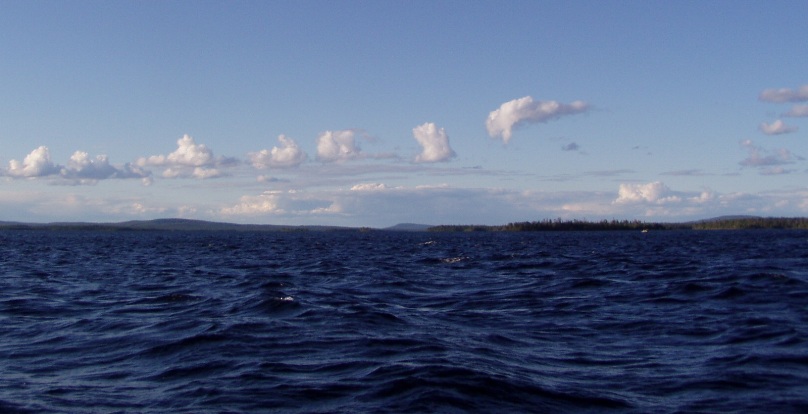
[739, 223]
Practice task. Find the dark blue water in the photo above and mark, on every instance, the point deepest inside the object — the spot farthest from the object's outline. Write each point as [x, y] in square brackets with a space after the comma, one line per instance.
[403, 322]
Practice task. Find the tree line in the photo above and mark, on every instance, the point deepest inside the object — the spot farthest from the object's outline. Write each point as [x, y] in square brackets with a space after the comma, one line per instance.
[753, 223]
[610, 225]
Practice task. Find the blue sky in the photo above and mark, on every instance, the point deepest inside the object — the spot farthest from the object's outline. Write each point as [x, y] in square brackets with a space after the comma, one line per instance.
[372, 113]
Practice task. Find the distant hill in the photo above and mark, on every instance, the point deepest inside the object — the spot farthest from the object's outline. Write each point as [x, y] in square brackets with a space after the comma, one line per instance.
[169, 224]
[176, 224]
[408, 227]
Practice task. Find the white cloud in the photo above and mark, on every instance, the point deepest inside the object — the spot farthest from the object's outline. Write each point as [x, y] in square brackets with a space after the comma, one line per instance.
[776, 128]
[785, 95]
[515, 113]
[195, 172]
[760, 157]
[288, 154]
[136, 209]
[188, 153]
[82, 167]
[133, 171]
[81, 164]
[281, 205]
[36, 164]
[266, 203]
[337, 146]
[434, 143]
[204, 172]
[369, 187]
[171, 173]
[188, 160]
[655, 192]
[706, 196]
[797, 111]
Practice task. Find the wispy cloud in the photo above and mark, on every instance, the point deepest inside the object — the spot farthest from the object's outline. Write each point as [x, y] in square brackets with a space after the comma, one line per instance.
[288, 154]
[518, 112]
[380, 204]
[434, 143]
[262, 204]
[608, 173]
[188, 160]
[370, 187]
[797, 111]
[775, 171]
[686, 173]
[570, 147]
[776, 128]
[761, 157]
[785, 95]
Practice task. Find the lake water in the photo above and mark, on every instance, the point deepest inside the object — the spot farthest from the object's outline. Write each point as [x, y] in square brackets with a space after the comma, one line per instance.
[188, 322]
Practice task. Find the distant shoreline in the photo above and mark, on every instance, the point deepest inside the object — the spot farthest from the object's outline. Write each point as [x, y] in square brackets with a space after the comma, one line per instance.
[718, 223]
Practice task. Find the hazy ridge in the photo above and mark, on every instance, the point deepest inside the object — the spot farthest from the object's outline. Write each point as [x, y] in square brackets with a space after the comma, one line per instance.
[178, 224]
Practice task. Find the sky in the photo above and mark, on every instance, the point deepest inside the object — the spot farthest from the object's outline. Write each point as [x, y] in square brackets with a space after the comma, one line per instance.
[373, 113]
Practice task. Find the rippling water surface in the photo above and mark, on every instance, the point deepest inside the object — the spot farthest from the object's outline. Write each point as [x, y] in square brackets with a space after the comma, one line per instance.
[403, 322]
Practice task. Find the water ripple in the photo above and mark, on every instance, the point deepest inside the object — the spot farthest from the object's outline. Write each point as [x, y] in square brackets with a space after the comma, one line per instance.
[403, 322]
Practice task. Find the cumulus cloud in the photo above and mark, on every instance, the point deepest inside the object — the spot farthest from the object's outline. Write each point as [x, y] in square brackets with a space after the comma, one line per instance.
[337, 146]
[760, 157]
[655, 199]
[797, 111]
[776, 128]
[36, 164]
[288, 154]
[188, 153]
[434, 143]
[518, 112]
[655, 192]
[188, 160]
[785, 95]
[80, 168]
